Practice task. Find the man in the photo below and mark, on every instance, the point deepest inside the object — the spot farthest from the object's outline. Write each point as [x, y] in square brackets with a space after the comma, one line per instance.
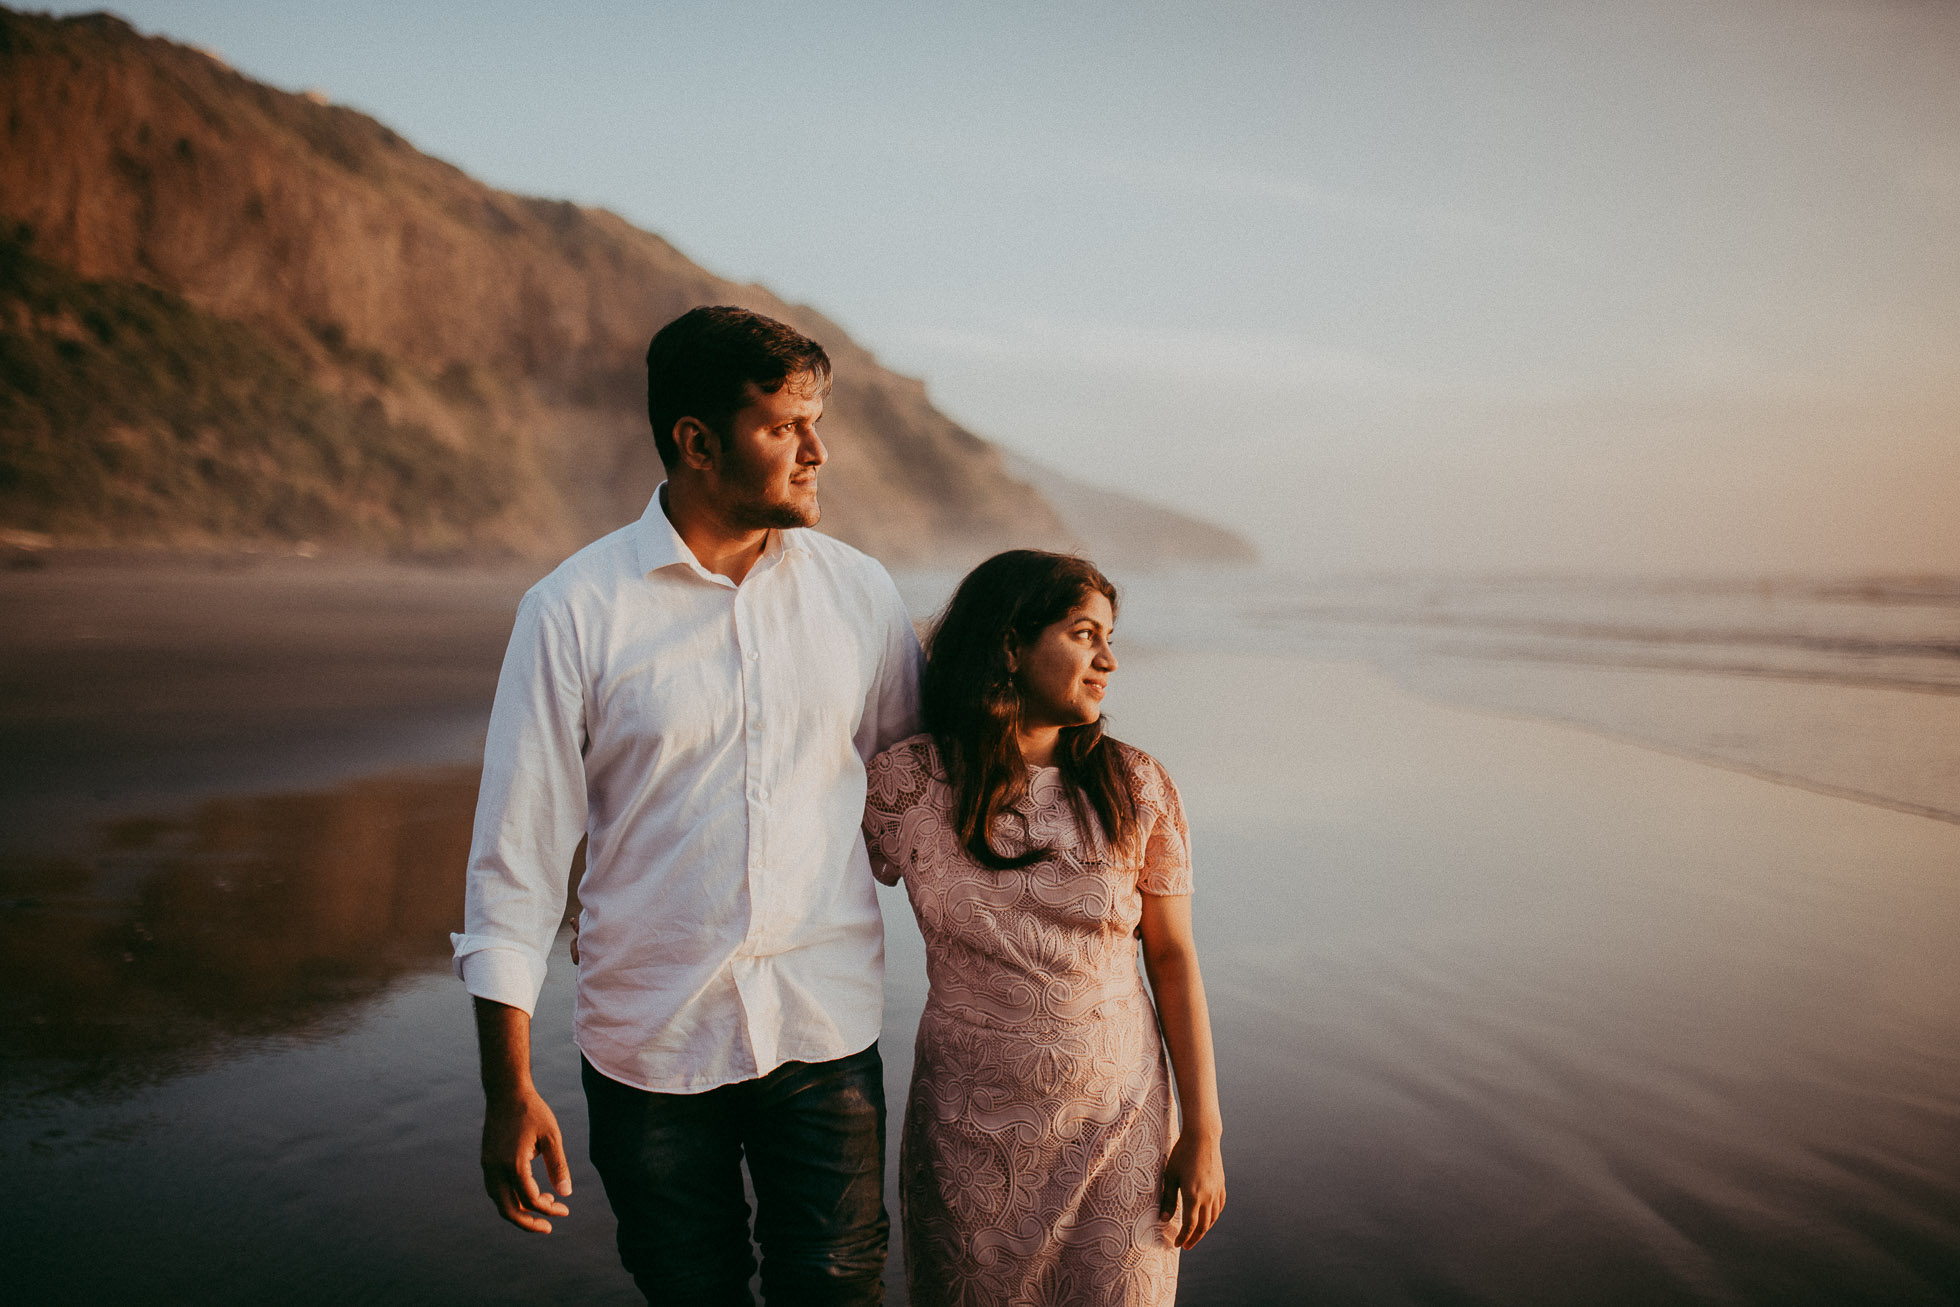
[697, 694]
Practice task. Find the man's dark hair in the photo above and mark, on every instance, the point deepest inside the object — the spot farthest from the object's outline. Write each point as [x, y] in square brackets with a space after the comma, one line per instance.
[701, 364]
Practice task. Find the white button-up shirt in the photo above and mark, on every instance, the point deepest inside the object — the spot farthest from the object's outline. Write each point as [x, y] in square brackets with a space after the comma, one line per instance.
[709, 741]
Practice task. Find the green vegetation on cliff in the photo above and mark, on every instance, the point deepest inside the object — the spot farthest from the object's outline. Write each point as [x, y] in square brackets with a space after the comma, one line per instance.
[127, 413]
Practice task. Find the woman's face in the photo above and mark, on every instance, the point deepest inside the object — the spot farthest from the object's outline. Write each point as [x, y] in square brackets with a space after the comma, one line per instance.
[1063, 672]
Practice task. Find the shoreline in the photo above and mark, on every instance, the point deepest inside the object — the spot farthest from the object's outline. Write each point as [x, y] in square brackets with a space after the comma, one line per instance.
[1891, 746]
[134, 680]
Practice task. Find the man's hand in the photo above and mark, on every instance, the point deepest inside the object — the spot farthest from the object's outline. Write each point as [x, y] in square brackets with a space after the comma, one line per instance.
[1194, 1181]
[518, 1128]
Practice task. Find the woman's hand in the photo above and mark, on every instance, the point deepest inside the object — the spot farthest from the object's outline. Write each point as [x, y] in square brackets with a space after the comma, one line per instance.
[1194, 1181]
[1194, 1173]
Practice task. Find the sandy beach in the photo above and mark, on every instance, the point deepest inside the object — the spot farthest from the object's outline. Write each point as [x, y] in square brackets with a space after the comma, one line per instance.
[1507, 1012]
[131, 682]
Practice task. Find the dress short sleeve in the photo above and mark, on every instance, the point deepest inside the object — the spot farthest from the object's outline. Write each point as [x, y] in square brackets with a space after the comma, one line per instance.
[1166, 865]
[895, 786]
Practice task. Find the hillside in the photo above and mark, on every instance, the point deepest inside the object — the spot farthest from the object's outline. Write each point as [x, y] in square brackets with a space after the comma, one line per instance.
[232, 314]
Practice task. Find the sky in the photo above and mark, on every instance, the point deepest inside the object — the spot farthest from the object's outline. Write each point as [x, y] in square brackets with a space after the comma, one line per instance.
[1660, 286]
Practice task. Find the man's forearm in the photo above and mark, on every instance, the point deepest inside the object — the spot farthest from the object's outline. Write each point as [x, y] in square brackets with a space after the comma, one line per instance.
[503, 1039]
[517, 1124]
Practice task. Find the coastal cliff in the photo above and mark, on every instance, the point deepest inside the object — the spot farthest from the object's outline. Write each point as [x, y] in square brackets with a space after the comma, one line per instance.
[234, 315]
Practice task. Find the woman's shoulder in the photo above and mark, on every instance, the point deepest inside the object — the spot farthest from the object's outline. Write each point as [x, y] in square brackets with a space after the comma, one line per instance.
[1150, 784]
[1135, 760]
[903, 768]
[908, 752]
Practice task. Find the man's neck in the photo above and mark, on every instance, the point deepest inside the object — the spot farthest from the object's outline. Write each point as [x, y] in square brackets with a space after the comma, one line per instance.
[719, 547]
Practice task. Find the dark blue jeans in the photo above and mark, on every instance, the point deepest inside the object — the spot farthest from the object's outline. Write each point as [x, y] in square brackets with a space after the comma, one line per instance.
[814, 1137]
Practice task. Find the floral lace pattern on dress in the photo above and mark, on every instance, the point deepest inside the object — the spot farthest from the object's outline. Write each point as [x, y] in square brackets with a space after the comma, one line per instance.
[1040, 1108]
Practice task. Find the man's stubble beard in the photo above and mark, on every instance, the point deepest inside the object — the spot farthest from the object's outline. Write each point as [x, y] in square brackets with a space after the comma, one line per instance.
[753, 510]
[749, 506]
[763, 516]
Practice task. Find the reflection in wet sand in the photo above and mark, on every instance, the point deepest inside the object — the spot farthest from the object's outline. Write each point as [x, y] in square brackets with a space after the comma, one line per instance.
[243, 919]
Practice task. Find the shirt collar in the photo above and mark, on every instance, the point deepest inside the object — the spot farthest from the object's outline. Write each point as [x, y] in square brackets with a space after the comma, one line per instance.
[660, 545]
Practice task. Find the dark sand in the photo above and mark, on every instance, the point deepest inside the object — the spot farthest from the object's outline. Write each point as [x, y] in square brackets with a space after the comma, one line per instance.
[132, 682]
[1507, 1013]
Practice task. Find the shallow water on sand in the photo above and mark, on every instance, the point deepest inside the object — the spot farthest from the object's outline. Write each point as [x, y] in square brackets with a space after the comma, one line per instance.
[1845, 686]
[1507, 1013]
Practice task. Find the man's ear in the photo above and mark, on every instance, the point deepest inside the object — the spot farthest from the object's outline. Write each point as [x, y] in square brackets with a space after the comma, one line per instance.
[699, 449]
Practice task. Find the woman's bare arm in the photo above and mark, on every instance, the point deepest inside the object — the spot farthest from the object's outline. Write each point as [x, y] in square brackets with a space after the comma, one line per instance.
[1194, 1173]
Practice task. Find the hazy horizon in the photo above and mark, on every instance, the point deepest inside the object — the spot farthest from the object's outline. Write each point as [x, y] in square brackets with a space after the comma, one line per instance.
[1666, 287]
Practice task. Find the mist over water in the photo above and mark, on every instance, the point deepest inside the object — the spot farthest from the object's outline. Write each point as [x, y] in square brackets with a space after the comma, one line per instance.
[1507, 1012]
[1901, 632]
[1850, 686]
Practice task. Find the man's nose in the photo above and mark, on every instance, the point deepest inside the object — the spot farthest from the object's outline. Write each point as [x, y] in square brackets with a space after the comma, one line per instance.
[813, 454]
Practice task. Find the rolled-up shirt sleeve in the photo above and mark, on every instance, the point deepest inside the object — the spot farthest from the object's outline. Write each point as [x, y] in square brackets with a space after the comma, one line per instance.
[530, 811]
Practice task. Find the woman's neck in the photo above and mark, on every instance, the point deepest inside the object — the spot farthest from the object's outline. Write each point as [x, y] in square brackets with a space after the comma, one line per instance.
[1038, 745]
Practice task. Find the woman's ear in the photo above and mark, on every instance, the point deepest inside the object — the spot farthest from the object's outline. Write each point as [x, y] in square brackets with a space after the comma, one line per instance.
[1013, 663]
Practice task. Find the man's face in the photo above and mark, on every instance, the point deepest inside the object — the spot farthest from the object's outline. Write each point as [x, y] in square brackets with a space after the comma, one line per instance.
[767, 474]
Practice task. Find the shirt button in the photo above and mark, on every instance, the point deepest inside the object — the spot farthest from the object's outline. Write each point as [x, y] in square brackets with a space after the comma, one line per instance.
[752, 655]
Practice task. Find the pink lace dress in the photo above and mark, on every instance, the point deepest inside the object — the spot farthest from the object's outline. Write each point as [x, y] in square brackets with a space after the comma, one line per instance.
[1040, 1110]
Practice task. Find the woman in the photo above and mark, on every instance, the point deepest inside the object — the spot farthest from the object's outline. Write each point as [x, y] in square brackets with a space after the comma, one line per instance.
[1037, 1163]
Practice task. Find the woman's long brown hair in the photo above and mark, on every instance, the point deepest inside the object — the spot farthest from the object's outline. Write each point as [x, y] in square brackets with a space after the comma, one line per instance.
[973, 710]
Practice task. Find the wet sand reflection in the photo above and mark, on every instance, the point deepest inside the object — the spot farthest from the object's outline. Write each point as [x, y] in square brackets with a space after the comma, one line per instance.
[242, 919]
